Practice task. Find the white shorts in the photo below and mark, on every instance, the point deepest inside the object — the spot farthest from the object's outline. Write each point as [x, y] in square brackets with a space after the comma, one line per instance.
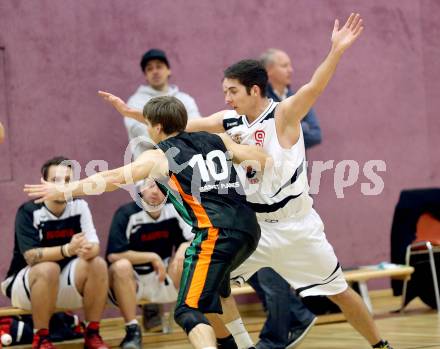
[150, 289]
[68, 296]
[298, 250]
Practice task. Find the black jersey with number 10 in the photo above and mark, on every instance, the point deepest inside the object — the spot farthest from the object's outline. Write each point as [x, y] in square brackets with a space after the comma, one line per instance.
[202, 173]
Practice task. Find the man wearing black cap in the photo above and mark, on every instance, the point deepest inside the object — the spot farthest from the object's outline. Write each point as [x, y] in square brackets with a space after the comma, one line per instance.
[156, 68]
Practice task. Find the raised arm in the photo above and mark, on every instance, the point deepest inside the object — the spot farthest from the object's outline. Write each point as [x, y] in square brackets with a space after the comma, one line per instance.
[294, 108]
[150, 163]
[241, 153]
[122, 107]
[212, 123]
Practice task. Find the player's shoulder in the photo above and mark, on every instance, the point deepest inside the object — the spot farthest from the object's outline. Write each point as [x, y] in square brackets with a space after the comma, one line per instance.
[128, 209]
[29, 207]
[207, 139]
[194, 136]
[230, 114]
[78, 204]
[231, 119]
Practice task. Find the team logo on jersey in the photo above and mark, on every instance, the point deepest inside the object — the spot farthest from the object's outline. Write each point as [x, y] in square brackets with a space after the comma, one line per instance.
[250, 175]
[250, 172]
[259, 136]
[236, 138]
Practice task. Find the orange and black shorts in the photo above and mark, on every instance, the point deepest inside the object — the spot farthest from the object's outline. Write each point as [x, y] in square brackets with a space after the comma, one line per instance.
[209, 260]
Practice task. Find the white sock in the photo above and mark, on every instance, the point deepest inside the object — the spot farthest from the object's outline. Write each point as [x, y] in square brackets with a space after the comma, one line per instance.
[209, 348]
[132, 322]
[240, 334]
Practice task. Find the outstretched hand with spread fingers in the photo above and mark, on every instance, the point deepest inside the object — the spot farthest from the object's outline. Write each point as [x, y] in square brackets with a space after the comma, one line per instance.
[344, 37]
[115, 101]
[45, 191]
[122, 107]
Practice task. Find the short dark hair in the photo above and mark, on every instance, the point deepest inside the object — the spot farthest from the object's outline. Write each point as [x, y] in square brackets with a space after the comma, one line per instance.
[167, 111]
[57, 160]
[248, 72]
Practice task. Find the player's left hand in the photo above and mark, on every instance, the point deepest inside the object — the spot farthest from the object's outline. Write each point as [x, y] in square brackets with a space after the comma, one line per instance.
[45, 191]
[343, 38]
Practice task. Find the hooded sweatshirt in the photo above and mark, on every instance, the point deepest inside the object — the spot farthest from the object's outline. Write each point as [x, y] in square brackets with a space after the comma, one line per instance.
[137, 101]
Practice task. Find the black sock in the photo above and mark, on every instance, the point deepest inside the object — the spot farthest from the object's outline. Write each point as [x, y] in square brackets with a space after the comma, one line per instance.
[380, 344]
[226, 343]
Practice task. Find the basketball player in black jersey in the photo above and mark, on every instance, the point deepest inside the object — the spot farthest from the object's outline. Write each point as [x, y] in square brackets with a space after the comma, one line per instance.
[203, 185]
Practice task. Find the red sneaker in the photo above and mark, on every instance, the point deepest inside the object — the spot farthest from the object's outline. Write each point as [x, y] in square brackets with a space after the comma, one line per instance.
[92, 340]
[42, 343]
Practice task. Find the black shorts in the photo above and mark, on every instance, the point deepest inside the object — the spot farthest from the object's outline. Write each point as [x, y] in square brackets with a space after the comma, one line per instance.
[209, 260]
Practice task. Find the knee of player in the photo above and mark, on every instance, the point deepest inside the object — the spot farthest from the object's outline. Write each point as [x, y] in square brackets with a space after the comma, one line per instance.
[121, 269]
[188, 318]
[95, 265]
[48, 272]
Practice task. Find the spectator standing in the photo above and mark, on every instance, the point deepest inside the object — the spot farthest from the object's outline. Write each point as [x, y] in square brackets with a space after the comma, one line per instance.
[156, 68]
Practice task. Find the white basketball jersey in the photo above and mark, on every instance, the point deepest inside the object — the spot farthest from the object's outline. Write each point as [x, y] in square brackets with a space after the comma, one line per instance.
[281, 191]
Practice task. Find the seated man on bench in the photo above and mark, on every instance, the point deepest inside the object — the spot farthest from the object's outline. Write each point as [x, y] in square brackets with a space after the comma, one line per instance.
[146, 248]
[56, 261]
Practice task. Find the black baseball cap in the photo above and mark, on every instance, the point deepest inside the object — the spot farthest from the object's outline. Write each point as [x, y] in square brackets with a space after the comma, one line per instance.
[154, 53]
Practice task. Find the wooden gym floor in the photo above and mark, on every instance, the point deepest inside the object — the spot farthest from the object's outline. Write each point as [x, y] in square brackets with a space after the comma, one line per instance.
[417, 328]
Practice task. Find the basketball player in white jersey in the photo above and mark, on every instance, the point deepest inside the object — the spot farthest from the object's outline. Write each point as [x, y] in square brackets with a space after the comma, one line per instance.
[293, 241]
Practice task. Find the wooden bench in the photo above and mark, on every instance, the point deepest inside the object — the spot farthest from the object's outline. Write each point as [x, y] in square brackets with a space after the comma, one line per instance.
[361, 276]
[13, 311]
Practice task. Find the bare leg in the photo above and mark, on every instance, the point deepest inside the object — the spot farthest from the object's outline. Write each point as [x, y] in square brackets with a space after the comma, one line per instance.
[230, 310]
[174, 271]
[357, 314]
[123, 284]
[91, 279]
[202, 336]
[44, 282]
[217, 324]
[234, 324]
